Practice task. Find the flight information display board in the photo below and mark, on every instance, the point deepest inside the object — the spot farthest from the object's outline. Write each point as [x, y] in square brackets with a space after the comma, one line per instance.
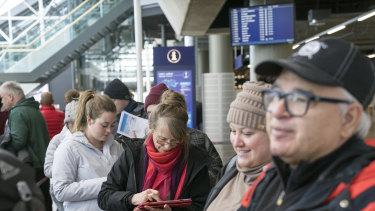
[263, 24]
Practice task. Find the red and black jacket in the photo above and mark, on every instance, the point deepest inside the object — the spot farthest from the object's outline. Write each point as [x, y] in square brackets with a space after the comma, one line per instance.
[342, 180]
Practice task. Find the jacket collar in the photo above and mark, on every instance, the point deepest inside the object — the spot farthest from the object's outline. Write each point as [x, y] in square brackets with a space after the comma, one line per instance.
[131, 106]
[322, 176]
[47, 107]
[81, 138]
[28, 102]
[322, 168]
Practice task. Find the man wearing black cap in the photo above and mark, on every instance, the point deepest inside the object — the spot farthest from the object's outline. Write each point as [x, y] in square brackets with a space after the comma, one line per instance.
[316, 124]
[120, 95]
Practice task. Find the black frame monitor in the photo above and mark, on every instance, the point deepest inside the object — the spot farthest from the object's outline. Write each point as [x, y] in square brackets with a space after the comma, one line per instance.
[264, 24]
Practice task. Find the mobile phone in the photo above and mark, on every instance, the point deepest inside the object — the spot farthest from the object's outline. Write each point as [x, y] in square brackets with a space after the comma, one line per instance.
[171, 203]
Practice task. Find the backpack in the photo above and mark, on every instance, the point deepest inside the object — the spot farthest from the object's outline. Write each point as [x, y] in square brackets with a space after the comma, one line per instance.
[18, 190]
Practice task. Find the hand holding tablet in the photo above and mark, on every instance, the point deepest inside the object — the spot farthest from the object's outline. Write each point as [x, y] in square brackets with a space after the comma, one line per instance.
[170, 203]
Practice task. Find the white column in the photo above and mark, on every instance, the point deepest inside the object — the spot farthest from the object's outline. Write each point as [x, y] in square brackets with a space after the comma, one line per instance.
[138, 46]
[218, 93]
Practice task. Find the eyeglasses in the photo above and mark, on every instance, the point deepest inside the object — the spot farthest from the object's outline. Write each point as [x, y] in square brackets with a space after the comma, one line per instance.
[296, 103]
[162, 141]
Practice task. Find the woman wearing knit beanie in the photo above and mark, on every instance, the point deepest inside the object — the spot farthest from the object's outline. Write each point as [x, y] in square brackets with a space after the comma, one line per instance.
[246, 118]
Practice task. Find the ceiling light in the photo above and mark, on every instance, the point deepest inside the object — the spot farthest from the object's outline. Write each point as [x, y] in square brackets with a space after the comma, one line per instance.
[314, 38]
[295, 46]
[371, 56]
[366, 16]
[336, 29]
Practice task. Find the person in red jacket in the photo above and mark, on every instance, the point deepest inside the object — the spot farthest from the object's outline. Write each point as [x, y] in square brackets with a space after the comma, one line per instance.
[54, 118]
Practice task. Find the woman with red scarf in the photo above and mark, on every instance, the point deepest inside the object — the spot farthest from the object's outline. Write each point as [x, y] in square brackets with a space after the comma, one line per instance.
[162, 167]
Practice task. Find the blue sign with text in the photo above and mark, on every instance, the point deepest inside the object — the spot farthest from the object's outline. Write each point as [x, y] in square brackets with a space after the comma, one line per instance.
[175, 66]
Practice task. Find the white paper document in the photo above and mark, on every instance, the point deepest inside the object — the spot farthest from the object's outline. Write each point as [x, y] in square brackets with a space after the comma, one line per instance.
[130, 125]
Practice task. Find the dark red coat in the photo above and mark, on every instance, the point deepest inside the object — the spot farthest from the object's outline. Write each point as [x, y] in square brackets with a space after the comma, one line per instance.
[54, 119]
[3, 120]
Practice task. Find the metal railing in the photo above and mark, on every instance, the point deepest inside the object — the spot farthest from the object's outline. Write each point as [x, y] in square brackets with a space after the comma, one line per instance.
[76, 21]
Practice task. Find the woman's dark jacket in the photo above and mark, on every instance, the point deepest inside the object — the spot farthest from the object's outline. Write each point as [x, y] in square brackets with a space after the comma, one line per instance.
[126, 179]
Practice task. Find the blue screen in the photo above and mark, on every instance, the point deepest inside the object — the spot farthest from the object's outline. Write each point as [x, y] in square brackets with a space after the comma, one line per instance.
[264, 24]
[180, 81]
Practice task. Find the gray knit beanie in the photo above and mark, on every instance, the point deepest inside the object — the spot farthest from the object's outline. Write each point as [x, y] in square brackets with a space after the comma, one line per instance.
[70, 110]
[247, 109]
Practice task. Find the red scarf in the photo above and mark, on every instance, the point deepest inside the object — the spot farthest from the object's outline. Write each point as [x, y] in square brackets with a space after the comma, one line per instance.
[159, 171]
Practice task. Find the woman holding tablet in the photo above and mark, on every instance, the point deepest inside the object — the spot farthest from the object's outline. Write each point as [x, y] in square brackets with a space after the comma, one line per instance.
[162, 167]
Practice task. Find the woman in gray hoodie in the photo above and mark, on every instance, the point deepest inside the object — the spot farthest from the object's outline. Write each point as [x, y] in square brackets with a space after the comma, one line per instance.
[82, 163]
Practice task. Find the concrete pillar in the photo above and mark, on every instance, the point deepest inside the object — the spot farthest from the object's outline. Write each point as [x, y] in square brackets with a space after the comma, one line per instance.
[188, 41]
[220, 53]
[163, 39]
[218, 93]
[259, 53]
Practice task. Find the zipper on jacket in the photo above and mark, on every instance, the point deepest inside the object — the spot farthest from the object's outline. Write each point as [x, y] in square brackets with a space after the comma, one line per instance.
[279, 201]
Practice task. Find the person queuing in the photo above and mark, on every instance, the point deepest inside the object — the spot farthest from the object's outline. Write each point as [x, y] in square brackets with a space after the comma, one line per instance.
[121, 96]
[28, 131]
[18, 191]
[246, 118]
[54, 118]
[65, 134]
[71, 94]
[163, 167]
[81, 163]
[197, 137]
[316, 124]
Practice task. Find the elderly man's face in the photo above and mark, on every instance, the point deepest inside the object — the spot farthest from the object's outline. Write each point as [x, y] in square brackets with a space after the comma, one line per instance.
[7, 100]
[309, 137]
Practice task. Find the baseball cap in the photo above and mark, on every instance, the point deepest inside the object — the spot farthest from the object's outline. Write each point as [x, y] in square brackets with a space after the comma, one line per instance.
[329, 61]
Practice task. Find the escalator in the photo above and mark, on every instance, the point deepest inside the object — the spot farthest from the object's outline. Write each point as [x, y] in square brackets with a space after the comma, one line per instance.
[41, 57]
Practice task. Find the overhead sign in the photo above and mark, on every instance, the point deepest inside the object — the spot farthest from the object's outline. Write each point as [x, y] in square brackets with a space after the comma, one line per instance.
[263, 24]
[175, 66]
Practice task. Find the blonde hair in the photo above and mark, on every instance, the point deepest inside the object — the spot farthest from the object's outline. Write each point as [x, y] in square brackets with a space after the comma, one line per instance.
[173, 98]
[91, 105]
[176, 119]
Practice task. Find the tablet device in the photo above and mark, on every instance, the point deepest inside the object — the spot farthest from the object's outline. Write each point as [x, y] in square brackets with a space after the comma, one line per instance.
[171, 203]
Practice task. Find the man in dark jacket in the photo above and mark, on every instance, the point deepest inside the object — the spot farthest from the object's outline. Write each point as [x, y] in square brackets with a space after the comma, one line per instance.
[120, 95]
[316, 123]
[28, 130]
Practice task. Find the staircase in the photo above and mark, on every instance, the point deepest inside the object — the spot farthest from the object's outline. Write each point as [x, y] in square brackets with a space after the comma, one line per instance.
[65, 42]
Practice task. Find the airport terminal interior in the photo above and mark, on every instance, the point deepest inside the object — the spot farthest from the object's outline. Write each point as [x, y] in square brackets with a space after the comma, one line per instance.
[57, 45]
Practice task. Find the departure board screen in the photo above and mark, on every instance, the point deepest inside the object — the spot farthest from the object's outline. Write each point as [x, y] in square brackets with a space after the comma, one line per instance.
[263, 24]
